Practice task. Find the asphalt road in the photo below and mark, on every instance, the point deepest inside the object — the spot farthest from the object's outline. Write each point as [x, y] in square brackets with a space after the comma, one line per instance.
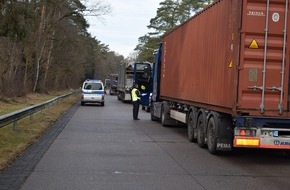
[104, 148]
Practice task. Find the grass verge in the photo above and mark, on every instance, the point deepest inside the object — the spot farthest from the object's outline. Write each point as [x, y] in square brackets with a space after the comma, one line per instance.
[13, 143]
[8, 104]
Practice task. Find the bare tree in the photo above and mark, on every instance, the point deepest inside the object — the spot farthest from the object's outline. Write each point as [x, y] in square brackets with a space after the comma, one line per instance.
[44, 45]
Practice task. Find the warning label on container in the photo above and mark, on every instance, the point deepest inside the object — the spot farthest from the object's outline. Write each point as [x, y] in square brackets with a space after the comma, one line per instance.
[231, 64]
[254, 45]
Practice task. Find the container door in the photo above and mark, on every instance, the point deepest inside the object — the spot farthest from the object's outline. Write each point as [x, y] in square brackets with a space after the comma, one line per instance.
[263, 69]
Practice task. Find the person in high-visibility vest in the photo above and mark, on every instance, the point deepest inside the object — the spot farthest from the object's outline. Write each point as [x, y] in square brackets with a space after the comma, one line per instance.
[135, 93]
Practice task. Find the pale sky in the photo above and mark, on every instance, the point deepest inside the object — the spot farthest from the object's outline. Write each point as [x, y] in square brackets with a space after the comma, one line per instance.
[124, 25]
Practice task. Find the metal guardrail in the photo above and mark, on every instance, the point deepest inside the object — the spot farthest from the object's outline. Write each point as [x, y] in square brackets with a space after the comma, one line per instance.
[13, 117]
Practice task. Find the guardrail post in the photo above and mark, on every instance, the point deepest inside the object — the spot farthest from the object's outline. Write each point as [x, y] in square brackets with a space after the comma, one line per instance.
[15, 125]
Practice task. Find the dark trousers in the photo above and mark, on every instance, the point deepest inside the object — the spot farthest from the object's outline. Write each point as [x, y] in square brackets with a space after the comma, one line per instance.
[135, 109]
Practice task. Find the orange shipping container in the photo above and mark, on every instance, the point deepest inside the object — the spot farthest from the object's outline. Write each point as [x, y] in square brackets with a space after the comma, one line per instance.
[232, 57]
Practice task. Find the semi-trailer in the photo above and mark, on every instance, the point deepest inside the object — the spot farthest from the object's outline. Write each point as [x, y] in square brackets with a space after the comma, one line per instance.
[139, 73]
[113, 84]
[125, 82]
[143, 77]
[225, 74]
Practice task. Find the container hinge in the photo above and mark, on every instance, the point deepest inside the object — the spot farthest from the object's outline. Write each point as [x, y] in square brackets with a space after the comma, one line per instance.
[280, 107]
[255, 87]
[274, 88]
[262, 108]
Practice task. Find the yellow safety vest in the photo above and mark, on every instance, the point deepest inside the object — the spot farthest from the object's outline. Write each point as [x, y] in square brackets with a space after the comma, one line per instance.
[134, 95]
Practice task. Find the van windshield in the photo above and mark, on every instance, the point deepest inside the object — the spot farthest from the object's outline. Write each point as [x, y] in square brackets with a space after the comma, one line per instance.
[93, 86]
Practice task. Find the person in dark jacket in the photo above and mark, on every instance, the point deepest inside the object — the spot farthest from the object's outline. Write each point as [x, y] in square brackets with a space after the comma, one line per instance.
[135, 94]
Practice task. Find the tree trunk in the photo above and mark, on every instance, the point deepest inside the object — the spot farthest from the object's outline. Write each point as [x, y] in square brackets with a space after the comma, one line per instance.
[48, 59]
[11, 57]
[39, 46]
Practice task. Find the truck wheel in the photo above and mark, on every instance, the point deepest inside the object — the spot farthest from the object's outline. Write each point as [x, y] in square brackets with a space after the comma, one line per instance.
[211, 136]
[164, 114]
[123, 97]
[200, 131]
[153, 118]
[163, 117]
[191, 124]
[147, 108]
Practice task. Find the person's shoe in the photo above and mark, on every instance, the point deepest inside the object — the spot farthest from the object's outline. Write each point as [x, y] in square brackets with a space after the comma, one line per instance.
[137, 119]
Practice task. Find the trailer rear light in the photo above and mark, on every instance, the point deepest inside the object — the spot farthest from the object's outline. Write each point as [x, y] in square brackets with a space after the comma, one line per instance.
[246, 142]
[245, 132]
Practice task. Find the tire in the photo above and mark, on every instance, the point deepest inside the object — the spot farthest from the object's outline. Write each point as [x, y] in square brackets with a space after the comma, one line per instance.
[147, 109]
[153, 118]
[163, 117]
[123, 97]
[191, 125]
[82, 103]
[119, 96]
[200, 130]
[164, 114]
[211, 136]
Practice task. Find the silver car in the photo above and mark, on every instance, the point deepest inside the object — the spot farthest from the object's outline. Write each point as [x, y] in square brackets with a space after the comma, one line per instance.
[93, 91]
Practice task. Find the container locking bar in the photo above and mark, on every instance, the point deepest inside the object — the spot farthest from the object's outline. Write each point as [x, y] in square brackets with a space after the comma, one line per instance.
[280, 105]
[262, 105]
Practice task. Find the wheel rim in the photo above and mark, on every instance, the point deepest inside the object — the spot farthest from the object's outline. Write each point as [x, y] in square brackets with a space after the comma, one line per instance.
[190, 126]
[199, 128]
[211, 139]
[210, 134]
[200, 135]
[152, 113]
[163, 117]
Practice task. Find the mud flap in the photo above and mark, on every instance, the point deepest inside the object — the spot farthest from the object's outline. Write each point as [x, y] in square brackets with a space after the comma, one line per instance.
[224, 144]
[224, 132]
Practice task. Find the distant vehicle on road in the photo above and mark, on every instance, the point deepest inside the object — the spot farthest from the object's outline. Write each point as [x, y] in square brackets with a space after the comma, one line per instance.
[140, 73]
[107, 83]
[143, 77]
[125, 83]
[93, 91]
[113, 84]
